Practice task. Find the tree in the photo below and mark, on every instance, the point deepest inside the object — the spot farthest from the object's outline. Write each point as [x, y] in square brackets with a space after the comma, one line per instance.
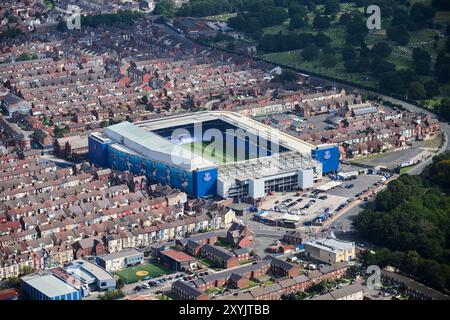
[443, 73]
[331, 7]
[165, 8]
[391, 82]
[310, 53]
[112, 295]
[351, 65]
[297, 22]
[420, 54]
[381, 49]
[288, 76]
[321, 39]
[423, 67]
[329, 60]
[345, 18]
[26, 270]
[380, 66]
[400, 18]
[407, 76]
[23, 57]
[441, 5]
[431, 88]
[420, 14]
[348, 53]
[416, 91]
[398, 34]
[321, 22]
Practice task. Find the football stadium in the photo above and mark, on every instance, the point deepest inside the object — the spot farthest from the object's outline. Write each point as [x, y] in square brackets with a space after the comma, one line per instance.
[213, 153]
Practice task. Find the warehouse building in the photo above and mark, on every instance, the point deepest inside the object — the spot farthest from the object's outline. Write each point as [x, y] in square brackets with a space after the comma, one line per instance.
[47, 286]
[330, 250]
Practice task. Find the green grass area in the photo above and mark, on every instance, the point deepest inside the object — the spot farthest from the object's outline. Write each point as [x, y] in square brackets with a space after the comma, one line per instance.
[229, 246]
[206, 262]
[293, 59]
[267, 283]
[252, 283]
[368, 157]
[400, 56]
[221, 17]
[405, 169]
[128, 275]
[433, 143]
[215, 290]
[168, 296]
[442, 17]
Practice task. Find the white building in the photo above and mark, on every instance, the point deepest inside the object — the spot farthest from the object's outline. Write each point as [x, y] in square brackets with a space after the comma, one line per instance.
[120, 260]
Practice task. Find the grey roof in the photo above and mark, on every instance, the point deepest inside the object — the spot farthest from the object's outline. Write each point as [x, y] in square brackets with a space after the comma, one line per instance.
[239, 270]
[128, 253]
[346, 290]
[187, 287]
[240, 251]
[279, 263]
[48, 284]
[333, 267]
[98, 272]
[412, 284]
[198, 237]
[217, 251]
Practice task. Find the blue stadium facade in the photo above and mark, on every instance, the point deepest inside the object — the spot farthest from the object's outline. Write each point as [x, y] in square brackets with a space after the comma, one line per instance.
[328, 155]
[196, 181]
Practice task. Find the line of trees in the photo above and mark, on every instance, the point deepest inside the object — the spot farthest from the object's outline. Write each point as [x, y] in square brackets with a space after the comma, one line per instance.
[410, 220]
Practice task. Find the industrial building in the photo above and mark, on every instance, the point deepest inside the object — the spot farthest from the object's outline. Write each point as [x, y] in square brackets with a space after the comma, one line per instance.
[213, 153]
[330, 250]
[48, 286]
[120, 260]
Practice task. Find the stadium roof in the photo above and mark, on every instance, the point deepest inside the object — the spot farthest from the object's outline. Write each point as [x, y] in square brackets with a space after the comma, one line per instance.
[234, 118]
[129, 136]
[48, 284]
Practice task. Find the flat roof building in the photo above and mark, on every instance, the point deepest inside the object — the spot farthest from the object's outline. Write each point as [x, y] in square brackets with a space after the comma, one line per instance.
[178, 260]
[91, 274]
[47, 286]
[330, 250]
[120, 260]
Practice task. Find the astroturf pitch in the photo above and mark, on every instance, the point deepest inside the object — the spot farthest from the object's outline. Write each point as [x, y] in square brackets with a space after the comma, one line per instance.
[128, 275]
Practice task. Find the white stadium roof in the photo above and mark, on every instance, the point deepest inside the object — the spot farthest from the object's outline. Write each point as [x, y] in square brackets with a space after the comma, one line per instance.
[138, 138]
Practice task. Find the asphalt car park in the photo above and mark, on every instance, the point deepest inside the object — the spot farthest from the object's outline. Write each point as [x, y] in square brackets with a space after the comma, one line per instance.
[352, 188]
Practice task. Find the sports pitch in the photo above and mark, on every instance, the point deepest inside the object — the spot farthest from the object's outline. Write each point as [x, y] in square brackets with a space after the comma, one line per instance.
[200, 149]
[133, 274]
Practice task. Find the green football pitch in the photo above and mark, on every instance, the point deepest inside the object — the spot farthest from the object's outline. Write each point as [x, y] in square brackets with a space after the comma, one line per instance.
[216, 156]
[153, 270]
